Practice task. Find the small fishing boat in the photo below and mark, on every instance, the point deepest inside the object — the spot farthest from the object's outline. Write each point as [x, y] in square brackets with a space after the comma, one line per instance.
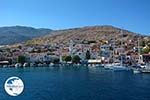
[145, 70]
[25, 65]
[51, 64]
[136, 70]
[18, 65]
[120, 68]
[108, 66]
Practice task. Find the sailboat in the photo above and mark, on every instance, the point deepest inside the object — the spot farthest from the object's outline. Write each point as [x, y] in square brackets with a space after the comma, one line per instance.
[144, 68]
[110, 65]
[120, 66]
[137, 68]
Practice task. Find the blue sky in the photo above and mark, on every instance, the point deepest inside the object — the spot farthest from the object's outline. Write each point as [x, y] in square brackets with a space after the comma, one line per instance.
[133, 15]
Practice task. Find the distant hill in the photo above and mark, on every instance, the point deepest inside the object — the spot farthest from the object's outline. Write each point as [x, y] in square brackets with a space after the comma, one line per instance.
[29, 35]
[90, 33]
[17, 34]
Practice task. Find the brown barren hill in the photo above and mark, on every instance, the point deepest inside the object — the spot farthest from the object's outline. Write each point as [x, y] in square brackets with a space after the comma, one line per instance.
[89, 33]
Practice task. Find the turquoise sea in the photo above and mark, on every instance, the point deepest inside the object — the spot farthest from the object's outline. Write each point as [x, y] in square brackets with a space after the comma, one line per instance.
[77, 83]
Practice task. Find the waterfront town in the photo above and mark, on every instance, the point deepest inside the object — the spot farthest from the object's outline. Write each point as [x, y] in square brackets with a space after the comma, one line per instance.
[76, 52]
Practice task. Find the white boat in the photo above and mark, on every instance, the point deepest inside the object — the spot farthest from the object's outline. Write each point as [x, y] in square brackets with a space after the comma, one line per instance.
[17, 65]
[143, 65]
[146, 68]
[120, 68]
[25, 65]
[51, 64]
[108, 66]
[136, 70]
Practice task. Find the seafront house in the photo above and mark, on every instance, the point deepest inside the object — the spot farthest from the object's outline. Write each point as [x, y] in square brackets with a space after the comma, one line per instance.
[145, 58]
[105, 52]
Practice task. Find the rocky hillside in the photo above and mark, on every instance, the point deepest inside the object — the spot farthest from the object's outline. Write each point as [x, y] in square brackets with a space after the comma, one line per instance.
[91, 33]
[17, 34]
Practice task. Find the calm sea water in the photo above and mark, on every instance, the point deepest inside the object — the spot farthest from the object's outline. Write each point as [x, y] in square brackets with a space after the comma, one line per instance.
[78, 83]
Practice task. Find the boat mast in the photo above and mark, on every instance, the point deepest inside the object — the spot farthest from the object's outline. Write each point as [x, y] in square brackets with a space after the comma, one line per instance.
[113, 51]
[121, 47]
[139, 50]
